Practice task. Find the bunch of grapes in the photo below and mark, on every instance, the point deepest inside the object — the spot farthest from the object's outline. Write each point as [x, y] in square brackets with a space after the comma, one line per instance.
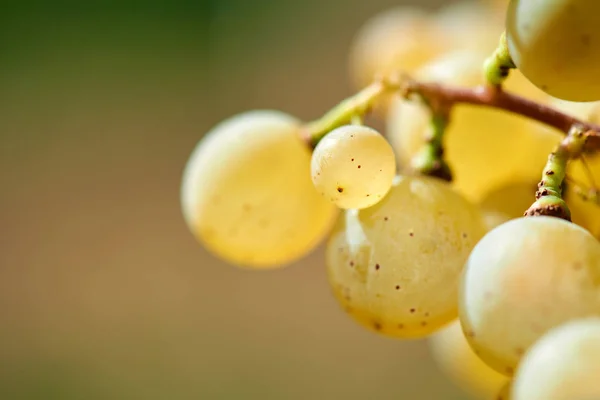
[425, 227]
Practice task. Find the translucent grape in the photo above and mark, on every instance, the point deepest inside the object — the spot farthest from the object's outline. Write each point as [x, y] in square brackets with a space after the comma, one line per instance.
[507, 202]
[563, 365]
[454, 356]
[556, 45]
[353, 166]
[524, 278]
[484, 147]
[397, 39]
[247, 194]
[395, 266]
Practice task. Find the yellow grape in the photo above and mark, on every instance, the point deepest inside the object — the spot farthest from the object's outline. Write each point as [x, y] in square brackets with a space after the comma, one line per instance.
[395, 266]
[556, 45]
[468, 24]
[507, 202]
[484, 147]
[563, 365]
[396, 39]
[523, 278]
[454, 356]
[247, 194]
[353, 166]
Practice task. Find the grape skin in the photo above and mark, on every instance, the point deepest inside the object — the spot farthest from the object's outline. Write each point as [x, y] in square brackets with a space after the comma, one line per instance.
[478, 139]
[395, 266]
[563, 365]
[522, 279]
[556, 45]
[454, 356]
[247, 194]
[354, 166]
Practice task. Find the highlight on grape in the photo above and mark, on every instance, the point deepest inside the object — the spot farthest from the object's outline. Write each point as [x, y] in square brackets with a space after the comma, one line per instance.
[471, 221]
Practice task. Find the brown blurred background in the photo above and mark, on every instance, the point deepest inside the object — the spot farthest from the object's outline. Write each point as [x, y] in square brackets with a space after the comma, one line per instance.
[103, 292]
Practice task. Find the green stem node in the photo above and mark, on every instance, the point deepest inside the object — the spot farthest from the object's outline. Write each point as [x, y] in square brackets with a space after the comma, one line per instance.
[497, 67]
[429, 160]
[549, 199]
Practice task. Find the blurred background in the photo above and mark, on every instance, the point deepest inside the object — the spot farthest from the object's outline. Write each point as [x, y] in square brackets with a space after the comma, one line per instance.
[104, 294]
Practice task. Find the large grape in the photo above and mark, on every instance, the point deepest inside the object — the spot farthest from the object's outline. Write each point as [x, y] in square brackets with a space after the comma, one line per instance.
[563, 365]
[556, 44]
[485, 147]
[353, 166]
[395, 266]
[247, 193]
[454, 356]
[524, 278]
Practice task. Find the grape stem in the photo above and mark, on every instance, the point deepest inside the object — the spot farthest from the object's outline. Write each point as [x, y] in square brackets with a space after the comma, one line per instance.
[497, 67]
[549, 194]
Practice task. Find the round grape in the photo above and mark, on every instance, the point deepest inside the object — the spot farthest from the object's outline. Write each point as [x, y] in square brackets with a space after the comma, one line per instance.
[353, 166]
[556, 45]
[563, 365]
[524, 278]
[247, 194]
[454, 356]
[395, 266]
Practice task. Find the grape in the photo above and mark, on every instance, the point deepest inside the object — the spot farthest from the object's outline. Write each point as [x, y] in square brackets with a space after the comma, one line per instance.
[523, 278]
[247, 194]
[556, 45]
[454, 356]
[395, 266]
[563, 365]
[506, 392]
[397, 39]
[354, 166]
[484, 147]
[507, 202]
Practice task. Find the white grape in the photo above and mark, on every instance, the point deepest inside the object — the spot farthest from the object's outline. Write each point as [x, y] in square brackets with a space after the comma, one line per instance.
[556, 45]
[353, 166]
[247, 194]
[395, 267]
[454, 356]
[522, 279]
[563, 365]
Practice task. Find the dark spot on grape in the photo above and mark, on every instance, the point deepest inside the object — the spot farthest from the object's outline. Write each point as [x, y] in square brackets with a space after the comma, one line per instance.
[464, 235]
[340, 189]
[427, 314]
[520, 351]
[400, 326]
[368, 195]
[351, 135]
[544, 87]
[377, 326]
[577, 266]
[352, 263]
[359, 167]
[318, 173]
[352, 159]
[424, 323]
[385, 218]
[380, 170]
[471, 334]
[411, 234]
[412, 310]
[510, 370]
[397, 287]
[377, 267]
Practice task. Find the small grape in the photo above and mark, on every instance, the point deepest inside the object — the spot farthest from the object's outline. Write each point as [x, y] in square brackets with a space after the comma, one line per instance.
[563, 365]
[247, 194]
[454, 356]
[556, 45]
[354, 166]
[397, 39]
[524, 278]
[484, 147]
[507, 202]
[395, 267]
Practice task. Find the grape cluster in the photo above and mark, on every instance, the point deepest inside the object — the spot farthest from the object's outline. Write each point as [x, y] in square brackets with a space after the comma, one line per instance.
[510, 305]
